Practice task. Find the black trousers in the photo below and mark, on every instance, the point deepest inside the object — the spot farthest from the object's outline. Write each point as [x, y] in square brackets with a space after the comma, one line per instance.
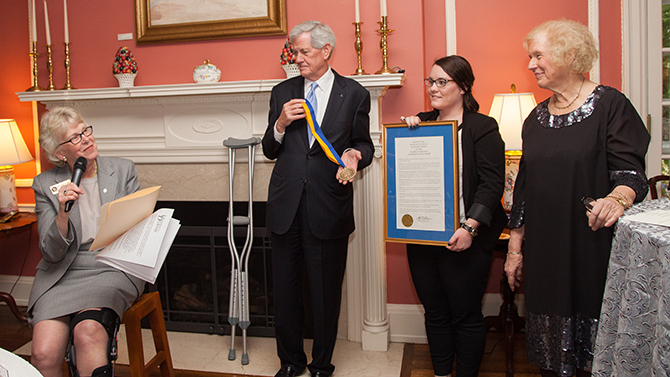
[451, 286]
[323, 262]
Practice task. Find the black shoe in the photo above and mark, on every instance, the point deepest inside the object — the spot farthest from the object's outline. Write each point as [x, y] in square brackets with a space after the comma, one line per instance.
[288, 371]
[320, 374]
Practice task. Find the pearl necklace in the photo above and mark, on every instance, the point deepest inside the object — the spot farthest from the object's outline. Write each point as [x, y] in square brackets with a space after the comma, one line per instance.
[573, 100]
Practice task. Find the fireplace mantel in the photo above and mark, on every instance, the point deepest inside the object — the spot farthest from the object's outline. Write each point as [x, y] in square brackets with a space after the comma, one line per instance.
[174, 134]
[184, 123]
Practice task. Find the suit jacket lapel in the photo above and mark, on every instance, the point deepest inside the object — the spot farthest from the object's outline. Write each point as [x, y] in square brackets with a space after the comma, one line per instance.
[106, 181]
[337, 97]
[63, 174]
[299, 92]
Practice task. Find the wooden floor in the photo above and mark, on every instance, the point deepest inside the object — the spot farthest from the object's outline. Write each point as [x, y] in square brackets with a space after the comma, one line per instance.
[416, 359]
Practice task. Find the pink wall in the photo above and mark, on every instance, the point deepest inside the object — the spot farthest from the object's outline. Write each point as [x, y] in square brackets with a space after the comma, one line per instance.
[489, 35]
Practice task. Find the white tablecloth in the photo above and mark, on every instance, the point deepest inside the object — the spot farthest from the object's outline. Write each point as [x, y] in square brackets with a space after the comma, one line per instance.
[634, 330]
[12, 365]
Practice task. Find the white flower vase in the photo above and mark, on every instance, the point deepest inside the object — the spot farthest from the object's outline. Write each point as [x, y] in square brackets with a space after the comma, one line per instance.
[126, 80]
[291, 70]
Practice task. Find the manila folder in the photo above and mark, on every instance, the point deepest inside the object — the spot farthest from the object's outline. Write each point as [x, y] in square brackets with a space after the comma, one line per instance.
[120, 215]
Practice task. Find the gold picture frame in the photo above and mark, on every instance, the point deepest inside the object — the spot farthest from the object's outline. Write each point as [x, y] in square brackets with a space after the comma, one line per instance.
[403, 221]
[273, 23]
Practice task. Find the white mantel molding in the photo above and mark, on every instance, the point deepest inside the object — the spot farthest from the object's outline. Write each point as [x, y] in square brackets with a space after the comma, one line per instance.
[184, 123]
[183, 126]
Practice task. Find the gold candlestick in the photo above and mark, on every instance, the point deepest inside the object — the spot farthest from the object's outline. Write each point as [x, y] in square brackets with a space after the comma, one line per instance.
[359, 49]
[67, 86]
[383, 45]
[50, 68]
[33, 56]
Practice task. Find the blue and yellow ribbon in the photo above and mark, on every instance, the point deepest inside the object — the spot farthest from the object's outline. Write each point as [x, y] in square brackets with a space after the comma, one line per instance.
[318, 135]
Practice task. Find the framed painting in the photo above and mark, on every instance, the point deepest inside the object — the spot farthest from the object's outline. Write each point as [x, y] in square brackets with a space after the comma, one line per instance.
[160, 21]
[421, 182]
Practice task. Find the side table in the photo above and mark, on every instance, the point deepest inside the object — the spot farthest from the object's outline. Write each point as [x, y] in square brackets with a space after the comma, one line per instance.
[18, 221]
[508, 320]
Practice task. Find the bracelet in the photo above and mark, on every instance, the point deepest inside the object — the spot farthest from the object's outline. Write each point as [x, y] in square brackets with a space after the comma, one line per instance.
[514, 253]
[618, 200]
[629, 204]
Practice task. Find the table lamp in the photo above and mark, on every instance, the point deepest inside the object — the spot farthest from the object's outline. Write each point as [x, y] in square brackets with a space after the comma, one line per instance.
[510, 110]
[13, 150]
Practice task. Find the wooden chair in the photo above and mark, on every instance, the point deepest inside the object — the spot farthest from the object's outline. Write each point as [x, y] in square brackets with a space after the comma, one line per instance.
[653, 190]
[148, 305]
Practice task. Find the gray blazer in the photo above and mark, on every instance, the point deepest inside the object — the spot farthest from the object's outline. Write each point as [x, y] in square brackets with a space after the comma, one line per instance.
[117, 177]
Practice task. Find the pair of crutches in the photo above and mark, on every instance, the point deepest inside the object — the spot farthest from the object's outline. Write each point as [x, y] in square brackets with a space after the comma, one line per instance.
[238, 307]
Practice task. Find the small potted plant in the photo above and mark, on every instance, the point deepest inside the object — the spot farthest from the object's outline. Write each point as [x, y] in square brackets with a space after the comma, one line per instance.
[288, 60]
[125, 67]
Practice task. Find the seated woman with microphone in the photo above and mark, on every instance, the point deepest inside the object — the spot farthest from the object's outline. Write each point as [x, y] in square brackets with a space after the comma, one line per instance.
[76, 302]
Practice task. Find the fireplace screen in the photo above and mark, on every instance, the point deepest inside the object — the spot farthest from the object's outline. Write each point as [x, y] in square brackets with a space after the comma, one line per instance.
[194, 283]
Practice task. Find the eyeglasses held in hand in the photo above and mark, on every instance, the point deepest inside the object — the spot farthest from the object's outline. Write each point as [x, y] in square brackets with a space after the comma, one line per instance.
[441, 83]
[76, 139]
[588, 203]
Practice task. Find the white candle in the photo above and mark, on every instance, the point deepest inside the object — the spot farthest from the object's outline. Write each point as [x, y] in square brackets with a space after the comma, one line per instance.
[67, 31]
[33, 26]
[46, 23]
[383, 7]
[358, 13]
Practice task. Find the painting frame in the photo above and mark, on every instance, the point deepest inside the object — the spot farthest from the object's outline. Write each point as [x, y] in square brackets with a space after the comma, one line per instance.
[273, 24]
[448, 151]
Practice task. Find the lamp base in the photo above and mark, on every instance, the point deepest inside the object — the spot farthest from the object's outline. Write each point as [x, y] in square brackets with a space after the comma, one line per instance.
[8, 201]
[512, 160]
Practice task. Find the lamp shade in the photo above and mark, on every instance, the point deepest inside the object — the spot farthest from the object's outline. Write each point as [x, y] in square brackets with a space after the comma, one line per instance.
[13, 149]
[510, 110]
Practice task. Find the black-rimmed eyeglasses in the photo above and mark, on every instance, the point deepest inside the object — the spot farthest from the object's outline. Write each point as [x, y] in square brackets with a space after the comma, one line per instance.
[441, 83]
[76, 139]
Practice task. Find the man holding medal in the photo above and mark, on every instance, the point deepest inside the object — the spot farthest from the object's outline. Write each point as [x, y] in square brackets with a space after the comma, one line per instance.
[318, 132]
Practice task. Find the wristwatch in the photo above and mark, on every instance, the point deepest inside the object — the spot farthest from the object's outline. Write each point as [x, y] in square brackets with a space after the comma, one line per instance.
[471, 230]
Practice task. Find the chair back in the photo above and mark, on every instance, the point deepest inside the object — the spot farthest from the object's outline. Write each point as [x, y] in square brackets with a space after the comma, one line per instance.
[653, 190]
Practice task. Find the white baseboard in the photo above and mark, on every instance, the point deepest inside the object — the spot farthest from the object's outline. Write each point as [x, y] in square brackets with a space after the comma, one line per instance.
[21, 292]
[406, 321]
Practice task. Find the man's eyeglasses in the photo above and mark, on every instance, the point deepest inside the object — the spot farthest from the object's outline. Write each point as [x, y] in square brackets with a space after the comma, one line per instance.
[76, 139]
[441, 83]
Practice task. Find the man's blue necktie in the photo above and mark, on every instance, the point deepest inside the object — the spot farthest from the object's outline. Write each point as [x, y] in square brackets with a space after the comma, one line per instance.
[311, 98]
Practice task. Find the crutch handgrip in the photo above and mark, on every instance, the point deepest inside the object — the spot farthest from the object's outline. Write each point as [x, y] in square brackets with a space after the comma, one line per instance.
[241, 220]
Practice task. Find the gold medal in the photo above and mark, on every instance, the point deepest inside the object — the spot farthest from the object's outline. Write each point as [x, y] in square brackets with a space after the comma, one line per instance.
[407, 220]
[346, 174]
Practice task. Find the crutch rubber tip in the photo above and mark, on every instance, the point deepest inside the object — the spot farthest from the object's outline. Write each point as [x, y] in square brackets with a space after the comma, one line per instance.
[245, 359]
[231, 354]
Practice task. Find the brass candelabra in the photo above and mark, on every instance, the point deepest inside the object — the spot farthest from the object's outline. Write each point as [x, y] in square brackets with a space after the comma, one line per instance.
[383, 45]
[50, 68]
[33, 56]
[359, 49]
[67, 86]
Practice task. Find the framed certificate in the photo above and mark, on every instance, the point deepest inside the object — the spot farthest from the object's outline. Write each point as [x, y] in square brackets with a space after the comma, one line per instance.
[421, 182]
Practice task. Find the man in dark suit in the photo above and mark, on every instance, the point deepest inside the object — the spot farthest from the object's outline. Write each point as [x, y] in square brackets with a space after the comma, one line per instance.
[310, 209]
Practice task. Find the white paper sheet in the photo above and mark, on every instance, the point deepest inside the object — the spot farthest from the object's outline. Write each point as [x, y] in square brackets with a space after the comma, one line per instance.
[420, 183]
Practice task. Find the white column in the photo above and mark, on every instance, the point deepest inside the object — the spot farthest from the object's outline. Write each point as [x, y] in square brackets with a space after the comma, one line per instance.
[366, 267]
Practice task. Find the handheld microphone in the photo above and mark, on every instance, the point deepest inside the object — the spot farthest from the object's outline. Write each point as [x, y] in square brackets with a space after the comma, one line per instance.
[77, 172]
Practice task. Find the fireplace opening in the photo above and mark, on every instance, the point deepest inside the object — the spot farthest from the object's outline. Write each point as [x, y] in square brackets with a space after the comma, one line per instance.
[194, 282]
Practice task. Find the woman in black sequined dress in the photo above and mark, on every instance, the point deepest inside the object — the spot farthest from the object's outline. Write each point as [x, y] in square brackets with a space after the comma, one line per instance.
[586, 140]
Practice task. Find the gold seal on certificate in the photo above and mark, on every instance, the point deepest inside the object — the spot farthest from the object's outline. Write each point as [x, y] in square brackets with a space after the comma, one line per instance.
[407, 220]
[346, 174]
